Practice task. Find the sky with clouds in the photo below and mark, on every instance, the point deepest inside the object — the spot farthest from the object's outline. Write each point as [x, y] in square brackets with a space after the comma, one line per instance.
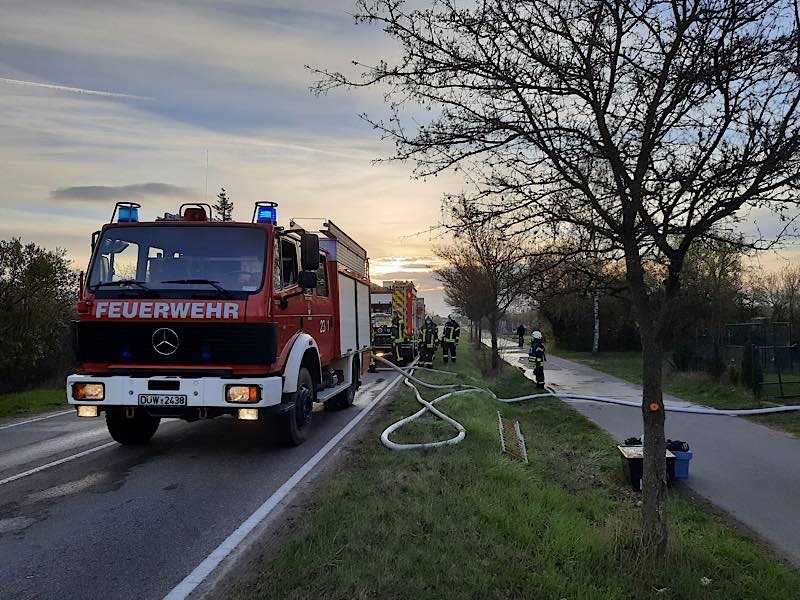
[108, 100]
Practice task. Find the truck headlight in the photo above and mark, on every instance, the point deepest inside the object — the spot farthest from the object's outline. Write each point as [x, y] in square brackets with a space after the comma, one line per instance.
[243, 393]
[88, 391]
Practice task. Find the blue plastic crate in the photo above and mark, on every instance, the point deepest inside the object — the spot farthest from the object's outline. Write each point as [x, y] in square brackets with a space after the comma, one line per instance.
[682, 464]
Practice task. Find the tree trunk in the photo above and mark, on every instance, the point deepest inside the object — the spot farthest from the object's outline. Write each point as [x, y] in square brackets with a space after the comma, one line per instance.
[654, 477]
[654, 482]
[596, 310]
[495, 352]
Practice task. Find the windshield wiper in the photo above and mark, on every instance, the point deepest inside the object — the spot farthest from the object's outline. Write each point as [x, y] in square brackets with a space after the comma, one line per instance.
[214, 284]
[122, 282]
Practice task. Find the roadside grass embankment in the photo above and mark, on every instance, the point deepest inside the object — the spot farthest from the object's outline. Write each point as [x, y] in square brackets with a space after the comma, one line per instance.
[465, 521]
[692, 386]
[18, 404]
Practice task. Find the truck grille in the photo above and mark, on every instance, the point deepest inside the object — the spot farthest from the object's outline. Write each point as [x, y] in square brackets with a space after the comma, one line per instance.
[198, 343]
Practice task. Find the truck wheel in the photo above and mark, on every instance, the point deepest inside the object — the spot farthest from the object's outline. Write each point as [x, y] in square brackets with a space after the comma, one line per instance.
[345, 399]
[131, 432]
[293, 425]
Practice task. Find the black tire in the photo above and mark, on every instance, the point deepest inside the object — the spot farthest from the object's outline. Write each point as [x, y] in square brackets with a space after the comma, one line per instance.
[294, 425]
[131, 432]
[345, 399]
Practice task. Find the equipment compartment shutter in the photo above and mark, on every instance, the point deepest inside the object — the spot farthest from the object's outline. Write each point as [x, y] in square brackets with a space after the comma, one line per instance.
[347, 314]
[363, 315]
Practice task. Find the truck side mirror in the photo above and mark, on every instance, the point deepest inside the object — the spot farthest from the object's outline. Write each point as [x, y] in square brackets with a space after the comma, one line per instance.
[308, 279]
[309, 253]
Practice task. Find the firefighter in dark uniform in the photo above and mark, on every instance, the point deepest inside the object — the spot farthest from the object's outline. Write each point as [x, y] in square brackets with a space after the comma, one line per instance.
[398, 333]
[428, 337]
[521, 335]
[450, 335]
[537, 357]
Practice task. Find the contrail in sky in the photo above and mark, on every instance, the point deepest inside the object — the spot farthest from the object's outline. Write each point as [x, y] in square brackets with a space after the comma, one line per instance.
[64, 88]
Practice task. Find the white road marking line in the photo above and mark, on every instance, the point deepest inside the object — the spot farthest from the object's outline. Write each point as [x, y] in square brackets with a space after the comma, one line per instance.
[212, 561]
[60, 461]
[58, 414]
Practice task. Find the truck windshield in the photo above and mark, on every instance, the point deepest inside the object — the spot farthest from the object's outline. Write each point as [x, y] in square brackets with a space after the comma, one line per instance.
[209, 260]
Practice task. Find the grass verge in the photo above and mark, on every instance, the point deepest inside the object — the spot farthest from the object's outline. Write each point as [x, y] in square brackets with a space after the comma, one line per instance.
[467, 522]
[696, 387]
[18, 404]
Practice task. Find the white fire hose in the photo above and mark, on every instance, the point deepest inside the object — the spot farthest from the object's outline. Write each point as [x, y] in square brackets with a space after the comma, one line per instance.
[428, 406]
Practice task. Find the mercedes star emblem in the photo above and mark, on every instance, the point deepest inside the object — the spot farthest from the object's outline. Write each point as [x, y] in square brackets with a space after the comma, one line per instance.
[165, 341]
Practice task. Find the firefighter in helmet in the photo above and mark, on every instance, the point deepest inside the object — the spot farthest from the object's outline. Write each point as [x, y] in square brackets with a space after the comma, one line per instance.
[398, 333]
[428, 337]
[537, 357]
[450, 335]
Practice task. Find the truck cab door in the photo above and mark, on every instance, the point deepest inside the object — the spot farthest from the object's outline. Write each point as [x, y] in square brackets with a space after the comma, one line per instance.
[320, 324]
[290, 311]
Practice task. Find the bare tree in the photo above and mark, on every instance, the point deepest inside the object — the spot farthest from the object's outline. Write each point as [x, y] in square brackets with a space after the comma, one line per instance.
[495, 269]
[778, 295]
[464, 285]
[650, 123]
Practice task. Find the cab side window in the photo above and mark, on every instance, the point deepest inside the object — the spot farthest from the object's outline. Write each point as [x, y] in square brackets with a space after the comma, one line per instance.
[322, 277]
[289, 263]
[277, 280]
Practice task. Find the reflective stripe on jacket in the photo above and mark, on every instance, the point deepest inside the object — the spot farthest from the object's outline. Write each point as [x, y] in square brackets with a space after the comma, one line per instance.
[398, 331]
[428, 336]
[537, 351]
[451, 333]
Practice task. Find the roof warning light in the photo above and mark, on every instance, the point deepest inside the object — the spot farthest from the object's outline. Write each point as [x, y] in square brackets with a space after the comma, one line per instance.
[266, 212]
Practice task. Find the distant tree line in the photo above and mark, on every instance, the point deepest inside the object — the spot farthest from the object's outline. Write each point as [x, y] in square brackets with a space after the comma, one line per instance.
[584, 302]
[37, 301]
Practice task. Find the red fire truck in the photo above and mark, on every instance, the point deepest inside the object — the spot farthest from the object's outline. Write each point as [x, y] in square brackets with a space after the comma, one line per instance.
[187, 317]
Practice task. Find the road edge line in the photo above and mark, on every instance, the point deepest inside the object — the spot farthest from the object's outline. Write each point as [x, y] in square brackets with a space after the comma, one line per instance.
[55, 463]
[18, 423]
[201, 572]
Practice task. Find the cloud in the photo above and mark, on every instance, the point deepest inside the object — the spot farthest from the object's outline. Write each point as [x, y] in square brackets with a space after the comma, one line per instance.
[122, 192]
[74, 90]
[403, 264]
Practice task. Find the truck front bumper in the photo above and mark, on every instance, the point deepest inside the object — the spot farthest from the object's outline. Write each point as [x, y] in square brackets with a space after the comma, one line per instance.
[190, 393]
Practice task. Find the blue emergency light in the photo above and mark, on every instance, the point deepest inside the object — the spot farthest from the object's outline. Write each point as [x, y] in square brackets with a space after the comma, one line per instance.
[267, 214]
[127, 212]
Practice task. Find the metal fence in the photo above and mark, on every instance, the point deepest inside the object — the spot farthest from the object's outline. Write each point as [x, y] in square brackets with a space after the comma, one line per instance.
[773, 370]
[759, 332]
[780, 371]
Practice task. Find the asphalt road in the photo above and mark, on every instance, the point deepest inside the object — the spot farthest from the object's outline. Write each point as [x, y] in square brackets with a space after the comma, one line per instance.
[127, 522]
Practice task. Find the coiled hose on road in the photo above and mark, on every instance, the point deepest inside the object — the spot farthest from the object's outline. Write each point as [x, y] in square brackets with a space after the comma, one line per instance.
[428, 406]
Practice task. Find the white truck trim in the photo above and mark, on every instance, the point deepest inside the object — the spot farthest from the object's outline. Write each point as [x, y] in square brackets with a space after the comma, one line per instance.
[200, 392]
[291, 370]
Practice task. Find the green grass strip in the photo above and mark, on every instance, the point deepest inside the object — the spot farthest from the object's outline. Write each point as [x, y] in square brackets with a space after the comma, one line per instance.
[31, 402]
[467, 522]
